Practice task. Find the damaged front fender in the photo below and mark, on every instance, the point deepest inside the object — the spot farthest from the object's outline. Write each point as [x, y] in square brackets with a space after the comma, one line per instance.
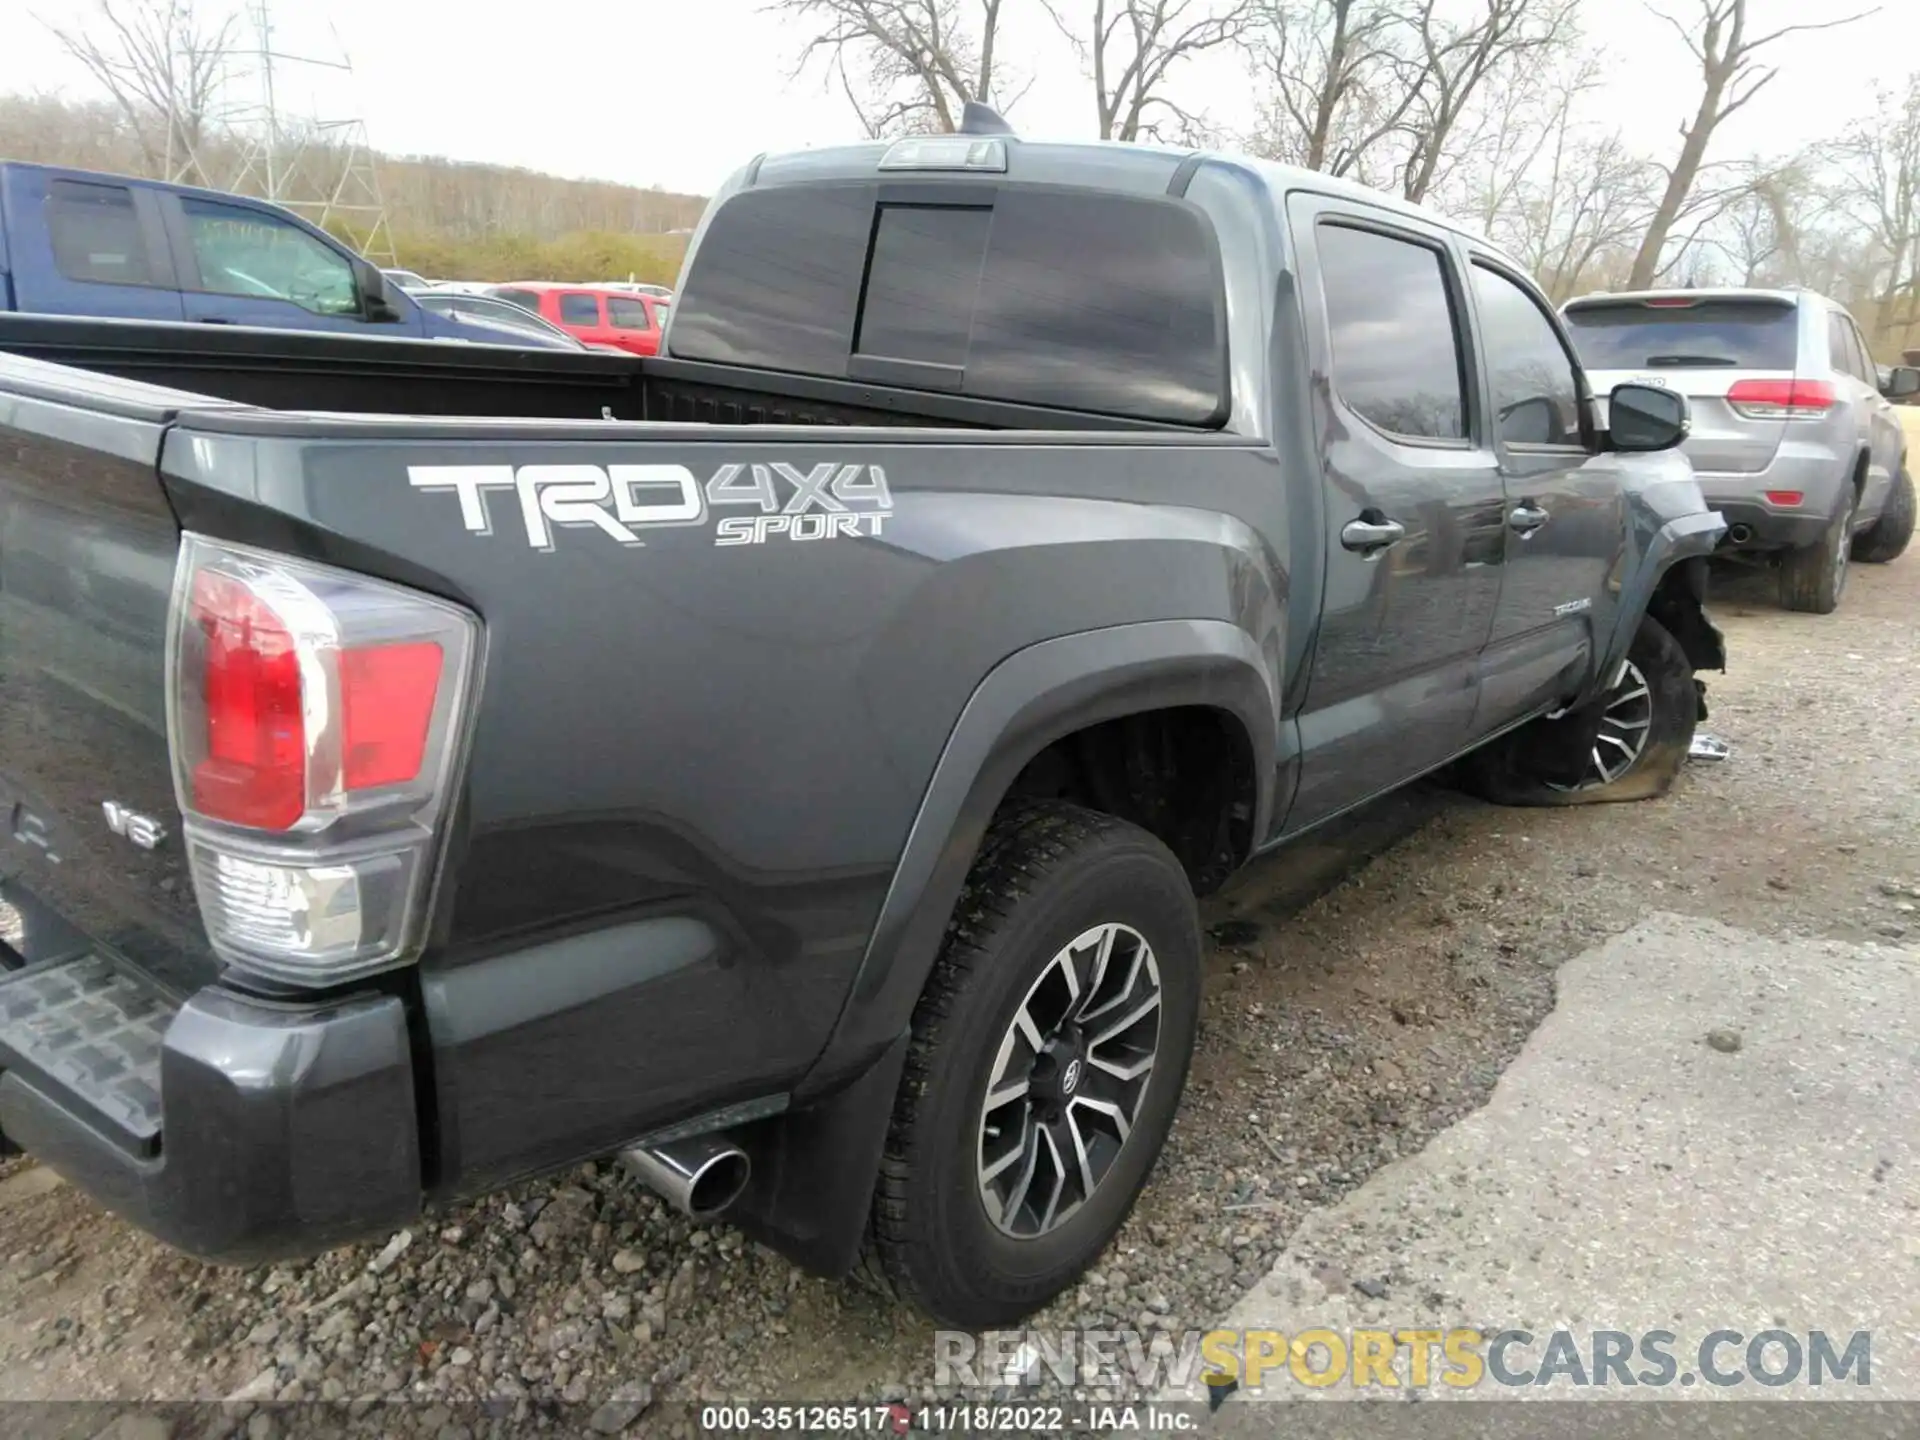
[1662, 570]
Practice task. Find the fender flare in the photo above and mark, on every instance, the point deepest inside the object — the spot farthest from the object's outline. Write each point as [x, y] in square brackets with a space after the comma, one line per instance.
[1683, 538]
[1034, 697]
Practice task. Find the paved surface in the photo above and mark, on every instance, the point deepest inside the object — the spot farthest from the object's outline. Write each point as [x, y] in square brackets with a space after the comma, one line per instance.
[1629, 1175]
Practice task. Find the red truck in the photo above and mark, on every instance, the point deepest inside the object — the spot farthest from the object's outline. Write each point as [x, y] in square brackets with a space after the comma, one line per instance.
[602, 316]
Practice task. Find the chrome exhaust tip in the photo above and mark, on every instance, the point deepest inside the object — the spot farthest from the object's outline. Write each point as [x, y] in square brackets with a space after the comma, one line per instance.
[700, 1177]
[1740, 534]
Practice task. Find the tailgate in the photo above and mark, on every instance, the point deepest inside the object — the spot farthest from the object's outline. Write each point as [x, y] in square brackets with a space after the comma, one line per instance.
[1701, 349]
[88, 824]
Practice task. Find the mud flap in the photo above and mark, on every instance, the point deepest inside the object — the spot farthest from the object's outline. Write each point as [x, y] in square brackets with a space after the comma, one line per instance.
[814, 1170]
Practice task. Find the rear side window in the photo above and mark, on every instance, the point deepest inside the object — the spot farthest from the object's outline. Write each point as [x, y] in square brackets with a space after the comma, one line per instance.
[525, 299]
[627, 314]
[96, 234]
[1840, 347]
[1396, 344]
[1713, 334]
[578, 309]
[1078, 300]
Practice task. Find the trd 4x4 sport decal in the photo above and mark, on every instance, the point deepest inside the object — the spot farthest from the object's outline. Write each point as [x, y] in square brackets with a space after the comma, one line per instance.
[625, 501]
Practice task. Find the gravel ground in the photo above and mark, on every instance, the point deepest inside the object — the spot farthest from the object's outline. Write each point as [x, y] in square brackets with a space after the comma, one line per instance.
[1338, 1033]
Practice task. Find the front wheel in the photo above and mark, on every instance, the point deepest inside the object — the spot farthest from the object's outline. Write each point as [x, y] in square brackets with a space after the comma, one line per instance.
[1049, 1052]
[1629, 744]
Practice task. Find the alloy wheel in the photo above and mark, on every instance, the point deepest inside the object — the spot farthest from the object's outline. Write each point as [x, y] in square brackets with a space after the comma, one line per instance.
[1068, 1080]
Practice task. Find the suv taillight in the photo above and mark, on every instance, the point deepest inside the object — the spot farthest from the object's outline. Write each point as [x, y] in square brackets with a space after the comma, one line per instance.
[314, 718]
[1781, 399]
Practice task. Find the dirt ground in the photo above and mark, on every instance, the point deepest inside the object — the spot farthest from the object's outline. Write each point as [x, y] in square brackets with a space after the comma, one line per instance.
[1338, 1034]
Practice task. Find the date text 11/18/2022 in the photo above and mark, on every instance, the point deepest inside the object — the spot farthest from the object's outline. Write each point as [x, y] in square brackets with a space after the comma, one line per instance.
[900, 1419]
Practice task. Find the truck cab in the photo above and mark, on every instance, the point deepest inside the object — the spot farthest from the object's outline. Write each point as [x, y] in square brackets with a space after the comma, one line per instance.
[74, 242]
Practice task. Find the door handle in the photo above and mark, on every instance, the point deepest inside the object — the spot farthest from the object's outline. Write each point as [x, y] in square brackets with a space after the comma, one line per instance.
[1525, 519]
[1368, 536]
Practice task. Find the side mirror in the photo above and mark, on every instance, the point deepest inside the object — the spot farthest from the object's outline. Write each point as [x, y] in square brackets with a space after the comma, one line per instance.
[1646, 417]
[376, 295]
[1902, 383]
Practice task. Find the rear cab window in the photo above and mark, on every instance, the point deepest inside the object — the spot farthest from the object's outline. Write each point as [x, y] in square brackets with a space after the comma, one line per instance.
[96, 234]
[1072, 299]
[525, 299]
[1708, 334]
[579, 308]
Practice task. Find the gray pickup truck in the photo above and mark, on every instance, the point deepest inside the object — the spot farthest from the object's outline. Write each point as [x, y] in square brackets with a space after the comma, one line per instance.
[798, 785]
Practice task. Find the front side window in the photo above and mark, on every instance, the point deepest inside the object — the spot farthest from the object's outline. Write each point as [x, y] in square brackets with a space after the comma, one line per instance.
[1396, 347]
[246, 252]
[96, 234]
[626, 314]
[579, 308]
[1536, 397]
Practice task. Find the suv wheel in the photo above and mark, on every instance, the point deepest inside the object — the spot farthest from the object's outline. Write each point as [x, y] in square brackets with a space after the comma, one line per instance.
[1888, 538]
[1813, 579]
[1639, 737]
[1049, 1052]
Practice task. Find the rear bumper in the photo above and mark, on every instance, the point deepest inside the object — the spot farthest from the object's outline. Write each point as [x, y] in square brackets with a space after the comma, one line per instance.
[303, 1132]
[1756, 523]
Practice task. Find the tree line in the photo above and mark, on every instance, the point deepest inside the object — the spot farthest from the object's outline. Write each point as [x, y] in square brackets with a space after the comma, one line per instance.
[172, 105]
[1482, 108]
[1485, 109]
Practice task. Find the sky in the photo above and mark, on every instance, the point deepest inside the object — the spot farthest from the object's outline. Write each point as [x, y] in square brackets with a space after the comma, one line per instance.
[677, 93]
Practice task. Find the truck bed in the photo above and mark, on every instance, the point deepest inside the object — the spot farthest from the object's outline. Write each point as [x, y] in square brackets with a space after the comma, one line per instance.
[320, 371]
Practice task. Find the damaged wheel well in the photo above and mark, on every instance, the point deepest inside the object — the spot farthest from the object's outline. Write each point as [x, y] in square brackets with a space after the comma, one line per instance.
[1679, 603]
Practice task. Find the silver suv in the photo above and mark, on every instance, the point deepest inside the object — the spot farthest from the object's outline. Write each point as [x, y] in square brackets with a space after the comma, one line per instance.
[1793, 437]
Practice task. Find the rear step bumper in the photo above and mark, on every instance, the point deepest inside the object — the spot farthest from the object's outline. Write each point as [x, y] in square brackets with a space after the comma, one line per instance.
[298, 1127]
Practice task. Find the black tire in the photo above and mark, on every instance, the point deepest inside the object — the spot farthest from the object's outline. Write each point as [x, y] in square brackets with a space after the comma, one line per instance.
[1813, 579]
[1888, 537]
[1506, 772]
[1046, 874]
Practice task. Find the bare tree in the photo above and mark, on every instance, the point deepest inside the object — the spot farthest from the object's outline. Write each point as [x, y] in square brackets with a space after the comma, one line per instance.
[1731, 74]
[1457, 59]
[1563, 194]
[164, 63]
[1879, 167]
[1131, 47]
[1340, 79]
[905, 65]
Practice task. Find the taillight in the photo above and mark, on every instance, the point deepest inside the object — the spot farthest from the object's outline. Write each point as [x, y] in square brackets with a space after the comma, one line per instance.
[314, 720]
[1781, 399]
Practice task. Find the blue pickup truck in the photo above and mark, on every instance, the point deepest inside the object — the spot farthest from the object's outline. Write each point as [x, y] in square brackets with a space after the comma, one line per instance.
[111, 246]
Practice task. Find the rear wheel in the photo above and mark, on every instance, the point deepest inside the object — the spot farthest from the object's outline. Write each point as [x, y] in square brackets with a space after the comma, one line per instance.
[1629, 744]
[1049, 1052]
[1888, 538]
[1813, 579]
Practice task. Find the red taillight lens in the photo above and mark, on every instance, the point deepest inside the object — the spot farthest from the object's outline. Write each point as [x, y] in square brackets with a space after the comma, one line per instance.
[386, 711]
[1673, 302]
[314, 721]
[1785, 497]
[1772, 399]
[255, 766]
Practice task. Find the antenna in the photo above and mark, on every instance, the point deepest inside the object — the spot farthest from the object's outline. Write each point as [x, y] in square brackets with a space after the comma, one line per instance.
[325, 170]
[978, 119]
